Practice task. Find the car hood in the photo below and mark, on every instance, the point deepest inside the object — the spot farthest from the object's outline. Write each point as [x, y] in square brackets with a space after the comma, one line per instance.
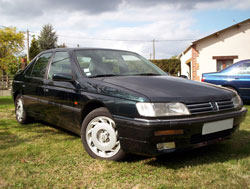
[167, 88]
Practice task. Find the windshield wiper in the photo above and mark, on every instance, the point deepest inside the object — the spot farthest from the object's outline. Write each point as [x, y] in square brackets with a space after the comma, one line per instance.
[147, 74]
[103, 75]
[112, 75]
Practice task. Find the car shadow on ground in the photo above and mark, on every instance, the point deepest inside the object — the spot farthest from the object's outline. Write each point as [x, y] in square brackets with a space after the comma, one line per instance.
[44, 128]
[7, 138]
[247, 103]
[235, 148]
[56, 130]
[40, 129]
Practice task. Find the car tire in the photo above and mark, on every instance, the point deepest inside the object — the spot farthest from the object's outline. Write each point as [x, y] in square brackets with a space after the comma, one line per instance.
[100, 136]
[21, 114]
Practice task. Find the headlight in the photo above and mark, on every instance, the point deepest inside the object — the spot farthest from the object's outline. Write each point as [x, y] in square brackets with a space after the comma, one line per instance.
[161, 109]
[237, 102]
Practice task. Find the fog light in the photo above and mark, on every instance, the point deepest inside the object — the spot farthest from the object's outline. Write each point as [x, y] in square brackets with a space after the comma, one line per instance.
[165, 146]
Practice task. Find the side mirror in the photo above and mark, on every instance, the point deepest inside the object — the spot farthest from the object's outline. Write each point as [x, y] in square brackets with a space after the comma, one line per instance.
[62, 77]
[184, 76]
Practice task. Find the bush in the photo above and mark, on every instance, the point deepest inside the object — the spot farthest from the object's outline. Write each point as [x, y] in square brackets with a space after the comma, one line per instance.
[172, 66]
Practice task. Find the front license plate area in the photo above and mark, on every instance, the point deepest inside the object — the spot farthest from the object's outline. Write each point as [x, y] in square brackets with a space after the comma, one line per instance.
[217, 126]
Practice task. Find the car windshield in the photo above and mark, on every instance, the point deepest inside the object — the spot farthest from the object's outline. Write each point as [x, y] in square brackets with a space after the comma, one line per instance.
[107, 63]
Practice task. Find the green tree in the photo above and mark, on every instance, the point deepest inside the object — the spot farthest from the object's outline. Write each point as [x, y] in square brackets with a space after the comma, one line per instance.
[11, 44]
[34, 48]
[62, 46]
[47, 38]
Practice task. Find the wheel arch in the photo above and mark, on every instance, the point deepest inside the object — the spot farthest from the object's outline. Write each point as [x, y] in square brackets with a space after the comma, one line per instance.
[16, 94]
[89, 107]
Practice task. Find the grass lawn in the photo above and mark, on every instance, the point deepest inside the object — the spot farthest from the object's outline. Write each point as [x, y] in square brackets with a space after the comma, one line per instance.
[41, 156]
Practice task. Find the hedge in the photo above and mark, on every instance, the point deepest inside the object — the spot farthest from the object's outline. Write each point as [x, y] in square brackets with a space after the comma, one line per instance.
[172, 66]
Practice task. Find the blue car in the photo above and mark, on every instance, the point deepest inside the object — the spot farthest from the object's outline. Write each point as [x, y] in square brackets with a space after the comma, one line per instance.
[236, 77]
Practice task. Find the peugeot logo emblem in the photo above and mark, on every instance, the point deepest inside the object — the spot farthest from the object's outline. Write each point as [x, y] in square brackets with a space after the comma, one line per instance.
[214, 106]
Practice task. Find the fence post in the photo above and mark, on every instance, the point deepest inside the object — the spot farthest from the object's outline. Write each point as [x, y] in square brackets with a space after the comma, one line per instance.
[7, 81]
[2, 83]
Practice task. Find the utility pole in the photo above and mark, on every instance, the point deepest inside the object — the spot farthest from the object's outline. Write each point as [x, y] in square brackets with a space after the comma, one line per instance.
[28, 47]
[153, 49]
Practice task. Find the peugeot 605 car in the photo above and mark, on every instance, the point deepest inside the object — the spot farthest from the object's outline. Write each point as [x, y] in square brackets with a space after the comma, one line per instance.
[119, 103]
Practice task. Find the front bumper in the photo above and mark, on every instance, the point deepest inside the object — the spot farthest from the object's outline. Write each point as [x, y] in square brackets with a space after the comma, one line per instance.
[138, 135]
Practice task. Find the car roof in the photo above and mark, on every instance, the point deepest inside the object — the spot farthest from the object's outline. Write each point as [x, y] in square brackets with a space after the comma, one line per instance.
[83, 48]
[243, 61]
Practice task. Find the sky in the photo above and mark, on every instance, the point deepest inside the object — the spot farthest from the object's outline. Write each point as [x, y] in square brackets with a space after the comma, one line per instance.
[126, 24]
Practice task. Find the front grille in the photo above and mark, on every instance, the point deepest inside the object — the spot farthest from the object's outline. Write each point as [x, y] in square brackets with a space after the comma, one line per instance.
[197, 138]
[209, 107]
[200, 108]
[225, 105]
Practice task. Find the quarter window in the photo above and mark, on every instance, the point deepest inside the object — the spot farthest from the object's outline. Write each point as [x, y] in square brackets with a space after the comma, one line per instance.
[60, 64]
[39, 69]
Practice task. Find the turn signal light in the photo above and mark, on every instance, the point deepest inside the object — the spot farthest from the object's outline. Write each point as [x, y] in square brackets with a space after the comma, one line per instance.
[169, 132]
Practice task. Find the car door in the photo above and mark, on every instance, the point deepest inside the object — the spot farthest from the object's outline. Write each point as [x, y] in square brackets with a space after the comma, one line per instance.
[241, 79]
[32, 87]
[62, 97]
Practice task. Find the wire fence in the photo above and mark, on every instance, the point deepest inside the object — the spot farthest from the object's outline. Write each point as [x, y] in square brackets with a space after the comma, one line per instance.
[6, 82]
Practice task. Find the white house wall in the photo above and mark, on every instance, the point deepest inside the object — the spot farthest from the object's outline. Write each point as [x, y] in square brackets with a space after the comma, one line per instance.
[231, 42]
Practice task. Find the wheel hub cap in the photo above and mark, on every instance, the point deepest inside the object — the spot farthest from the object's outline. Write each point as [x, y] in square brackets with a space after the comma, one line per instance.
[102, 137]
[19, 110]
[106, 140]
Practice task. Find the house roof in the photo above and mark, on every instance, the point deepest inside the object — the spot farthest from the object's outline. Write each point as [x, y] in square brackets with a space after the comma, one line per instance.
[218, 32]
[215, 33]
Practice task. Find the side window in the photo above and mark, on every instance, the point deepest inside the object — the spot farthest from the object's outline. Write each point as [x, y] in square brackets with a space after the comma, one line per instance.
[29, 70]
[245, 68]
[60, 64]
[242, 69]
[40, 66]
